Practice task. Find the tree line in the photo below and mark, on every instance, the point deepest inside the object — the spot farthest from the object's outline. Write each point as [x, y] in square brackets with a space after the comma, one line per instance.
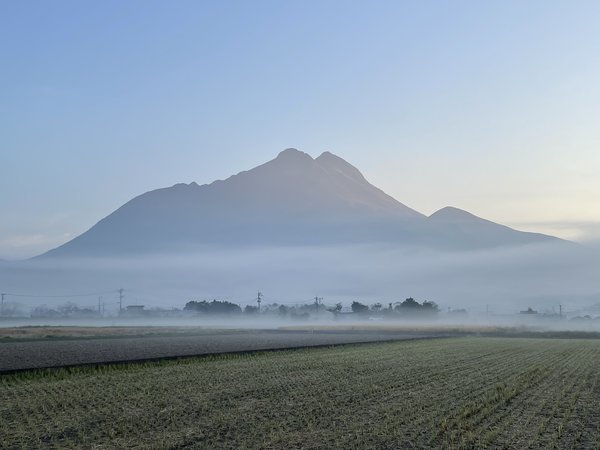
[407, 308]
[410, 306]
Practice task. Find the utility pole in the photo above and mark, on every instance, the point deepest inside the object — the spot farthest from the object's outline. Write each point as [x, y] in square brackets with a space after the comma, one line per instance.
[259, 300]
[100, 305]
[318, 301]
[121, 299]
[560, 311]
[2, 304]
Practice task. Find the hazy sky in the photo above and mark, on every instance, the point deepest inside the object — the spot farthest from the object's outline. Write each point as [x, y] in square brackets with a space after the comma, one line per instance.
[493, 107]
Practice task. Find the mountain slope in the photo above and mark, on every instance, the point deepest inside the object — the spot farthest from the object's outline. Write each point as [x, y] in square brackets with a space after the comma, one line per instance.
[465, 230]
[290, 200]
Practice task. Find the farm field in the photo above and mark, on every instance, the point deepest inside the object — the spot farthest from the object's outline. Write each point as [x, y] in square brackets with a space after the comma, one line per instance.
[69, 351]
[452, 393]
[36, 333]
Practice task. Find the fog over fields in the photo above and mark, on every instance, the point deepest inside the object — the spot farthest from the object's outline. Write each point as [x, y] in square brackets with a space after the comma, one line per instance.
[297, 227]
[300, 225]
[505, 279]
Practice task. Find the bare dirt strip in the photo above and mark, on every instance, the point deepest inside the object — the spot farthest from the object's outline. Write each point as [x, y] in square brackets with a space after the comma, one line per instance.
[19, 356]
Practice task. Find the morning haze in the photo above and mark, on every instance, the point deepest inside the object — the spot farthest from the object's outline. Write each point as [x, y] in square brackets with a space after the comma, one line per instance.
[303, 225]
[298, 225]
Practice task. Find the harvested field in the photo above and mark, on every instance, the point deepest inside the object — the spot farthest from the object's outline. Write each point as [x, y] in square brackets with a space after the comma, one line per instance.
[442, 393]
[73, 332]
[70, 352]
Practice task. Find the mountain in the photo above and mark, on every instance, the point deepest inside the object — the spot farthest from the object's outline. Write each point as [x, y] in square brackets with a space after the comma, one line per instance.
[467, 230]
[290, 200]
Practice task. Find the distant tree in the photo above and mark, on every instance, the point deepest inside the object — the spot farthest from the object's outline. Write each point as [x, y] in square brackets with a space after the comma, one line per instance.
[411, 307]
[307, 308]
[410, 303]
[376, 307]
[336, 309]
[214, 307]
[44, 311]
[249, 309]
[72, 309]
[430, 307]
[358, 307]
[283, 310]
[196, 306]
[270, 307]
[68, 308]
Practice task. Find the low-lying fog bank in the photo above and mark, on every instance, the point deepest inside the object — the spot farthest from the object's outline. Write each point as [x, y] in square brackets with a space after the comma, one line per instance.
[552, 280]
[441, 323]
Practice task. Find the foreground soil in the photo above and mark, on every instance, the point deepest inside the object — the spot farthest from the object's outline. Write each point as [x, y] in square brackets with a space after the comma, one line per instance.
[441, 393]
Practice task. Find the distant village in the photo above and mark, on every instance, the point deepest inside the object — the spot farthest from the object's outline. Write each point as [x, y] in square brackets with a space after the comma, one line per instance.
[194, 308]
[316, 309]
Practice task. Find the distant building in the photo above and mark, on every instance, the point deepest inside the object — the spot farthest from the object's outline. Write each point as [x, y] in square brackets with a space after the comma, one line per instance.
[529, 311]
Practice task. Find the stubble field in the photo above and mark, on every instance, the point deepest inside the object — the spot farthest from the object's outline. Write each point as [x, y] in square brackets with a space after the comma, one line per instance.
[27, 354]
[451, 393]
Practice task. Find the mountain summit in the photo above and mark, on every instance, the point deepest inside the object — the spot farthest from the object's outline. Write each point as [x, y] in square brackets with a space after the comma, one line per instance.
[290, 200]
[294, 183]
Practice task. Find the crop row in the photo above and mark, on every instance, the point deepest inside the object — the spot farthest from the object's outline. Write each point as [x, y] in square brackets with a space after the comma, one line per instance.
[451, 393]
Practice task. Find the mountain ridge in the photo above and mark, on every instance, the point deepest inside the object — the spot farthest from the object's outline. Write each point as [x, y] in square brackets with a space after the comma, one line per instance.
[292, 199]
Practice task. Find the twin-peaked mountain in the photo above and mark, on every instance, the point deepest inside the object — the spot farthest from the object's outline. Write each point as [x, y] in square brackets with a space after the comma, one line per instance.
[291, 200]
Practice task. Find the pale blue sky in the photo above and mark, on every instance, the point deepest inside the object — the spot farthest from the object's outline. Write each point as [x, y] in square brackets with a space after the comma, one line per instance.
[492, 107]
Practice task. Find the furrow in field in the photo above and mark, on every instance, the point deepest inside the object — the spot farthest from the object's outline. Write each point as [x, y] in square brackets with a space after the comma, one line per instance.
[392, 395]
